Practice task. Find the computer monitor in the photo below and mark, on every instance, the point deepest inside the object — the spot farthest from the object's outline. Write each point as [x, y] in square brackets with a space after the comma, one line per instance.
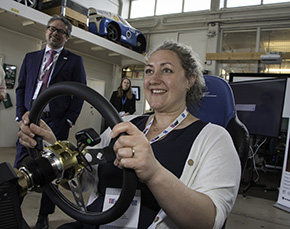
[259, 105]
[237, 76]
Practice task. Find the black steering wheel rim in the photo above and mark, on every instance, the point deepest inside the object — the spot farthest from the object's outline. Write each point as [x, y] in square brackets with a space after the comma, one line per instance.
[110, 114]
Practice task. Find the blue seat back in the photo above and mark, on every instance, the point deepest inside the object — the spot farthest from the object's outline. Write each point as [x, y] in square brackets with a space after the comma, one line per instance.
[218, 104]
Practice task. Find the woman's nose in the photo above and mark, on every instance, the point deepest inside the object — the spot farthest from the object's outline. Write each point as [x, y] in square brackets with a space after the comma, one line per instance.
[156, 75]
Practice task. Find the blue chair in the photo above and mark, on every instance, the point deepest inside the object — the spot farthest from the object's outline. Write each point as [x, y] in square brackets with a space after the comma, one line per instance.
[218, 107]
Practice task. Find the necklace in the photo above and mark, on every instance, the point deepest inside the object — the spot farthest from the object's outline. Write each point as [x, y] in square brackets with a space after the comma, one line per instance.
[171, 127]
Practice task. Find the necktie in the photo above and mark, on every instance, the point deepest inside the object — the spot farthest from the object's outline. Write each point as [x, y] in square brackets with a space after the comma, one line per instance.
[47, 69]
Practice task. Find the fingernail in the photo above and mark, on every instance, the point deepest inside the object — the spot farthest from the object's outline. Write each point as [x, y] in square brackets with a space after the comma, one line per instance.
[33, 143]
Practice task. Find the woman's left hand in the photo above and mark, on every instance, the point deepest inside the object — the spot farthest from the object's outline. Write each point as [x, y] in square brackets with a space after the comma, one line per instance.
[134, 151]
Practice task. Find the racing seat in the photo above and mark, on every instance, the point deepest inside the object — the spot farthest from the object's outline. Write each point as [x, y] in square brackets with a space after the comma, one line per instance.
[218, 107]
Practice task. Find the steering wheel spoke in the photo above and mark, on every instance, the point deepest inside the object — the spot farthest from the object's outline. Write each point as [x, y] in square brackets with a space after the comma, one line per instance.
[76, 190]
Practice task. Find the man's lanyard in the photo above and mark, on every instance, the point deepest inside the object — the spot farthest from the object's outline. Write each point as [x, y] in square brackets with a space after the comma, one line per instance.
[171, 127]
[44, 70]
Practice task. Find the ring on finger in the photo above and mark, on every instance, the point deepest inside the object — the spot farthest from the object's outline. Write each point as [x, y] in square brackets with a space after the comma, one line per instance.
[133, 152]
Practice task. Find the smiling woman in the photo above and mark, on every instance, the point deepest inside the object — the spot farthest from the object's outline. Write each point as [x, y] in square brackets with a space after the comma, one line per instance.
[171, 151]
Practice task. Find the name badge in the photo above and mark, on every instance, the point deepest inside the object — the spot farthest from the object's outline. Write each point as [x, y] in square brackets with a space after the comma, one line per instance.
[130, 218]
[38, 86]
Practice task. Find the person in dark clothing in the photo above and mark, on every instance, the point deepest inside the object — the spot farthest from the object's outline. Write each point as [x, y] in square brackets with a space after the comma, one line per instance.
[123, 99]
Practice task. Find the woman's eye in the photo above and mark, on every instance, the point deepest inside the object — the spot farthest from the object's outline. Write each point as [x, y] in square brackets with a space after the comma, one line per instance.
[167, 70]
[148, 71]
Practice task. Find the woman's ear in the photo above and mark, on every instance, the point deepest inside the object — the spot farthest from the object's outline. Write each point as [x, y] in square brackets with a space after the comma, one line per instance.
[191, 81]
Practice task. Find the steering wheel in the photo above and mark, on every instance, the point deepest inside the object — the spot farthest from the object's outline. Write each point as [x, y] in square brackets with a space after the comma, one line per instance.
[110, 114]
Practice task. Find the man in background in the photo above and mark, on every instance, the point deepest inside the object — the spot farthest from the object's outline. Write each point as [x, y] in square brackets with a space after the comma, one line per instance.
[40, 70]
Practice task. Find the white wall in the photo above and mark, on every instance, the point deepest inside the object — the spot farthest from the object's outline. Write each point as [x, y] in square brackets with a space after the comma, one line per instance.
[156, 39]
[197, 40]
[96, 69]
[13, 47]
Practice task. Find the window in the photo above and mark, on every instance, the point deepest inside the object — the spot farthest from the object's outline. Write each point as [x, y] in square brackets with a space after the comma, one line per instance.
[236, 3]
[142, 8]
[168, 7]
[275, 40]
[190, 5]
[146, 8]
[274, 1]
[239, 41]
[271, 40]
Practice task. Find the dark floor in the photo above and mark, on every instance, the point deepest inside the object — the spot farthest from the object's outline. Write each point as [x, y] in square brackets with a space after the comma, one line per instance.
[264, 184]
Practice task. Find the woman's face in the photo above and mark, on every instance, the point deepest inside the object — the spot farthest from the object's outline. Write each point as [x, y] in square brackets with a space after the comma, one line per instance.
[125, 84]
[165, 84]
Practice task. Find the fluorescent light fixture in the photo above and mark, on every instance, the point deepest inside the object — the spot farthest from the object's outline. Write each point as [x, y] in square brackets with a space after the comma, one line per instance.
[113, 54]
[27, 23]
[97, 48]
[79, 42]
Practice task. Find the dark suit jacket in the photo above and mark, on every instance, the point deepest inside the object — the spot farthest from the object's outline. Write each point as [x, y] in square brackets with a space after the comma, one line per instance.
[69, 67]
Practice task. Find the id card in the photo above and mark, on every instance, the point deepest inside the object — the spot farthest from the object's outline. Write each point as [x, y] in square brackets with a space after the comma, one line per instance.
[130, 218]
[37, 90]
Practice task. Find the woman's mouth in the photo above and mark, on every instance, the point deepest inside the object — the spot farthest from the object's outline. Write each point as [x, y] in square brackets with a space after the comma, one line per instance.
[158, 91]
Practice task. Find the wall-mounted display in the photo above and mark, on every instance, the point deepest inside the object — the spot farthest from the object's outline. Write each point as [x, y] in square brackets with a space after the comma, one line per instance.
[10, 75]
[136, 92]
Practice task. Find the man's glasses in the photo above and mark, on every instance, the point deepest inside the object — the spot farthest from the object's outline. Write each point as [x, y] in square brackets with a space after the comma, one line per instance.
[53, 29]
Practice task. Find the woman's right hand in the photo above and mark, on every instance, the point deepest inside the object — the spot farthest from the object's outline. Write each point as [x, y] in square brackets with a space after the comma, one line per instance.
[28, 131]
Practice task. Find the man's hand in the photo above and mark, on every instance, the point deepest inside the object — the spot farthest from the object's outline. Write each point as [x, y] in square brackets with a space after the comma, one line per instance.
[28, 131]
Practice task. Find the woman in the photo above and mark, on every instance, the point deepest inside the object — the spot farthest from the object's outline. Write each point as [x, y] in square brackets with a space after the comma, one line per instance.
[188, 170]
[123, 99]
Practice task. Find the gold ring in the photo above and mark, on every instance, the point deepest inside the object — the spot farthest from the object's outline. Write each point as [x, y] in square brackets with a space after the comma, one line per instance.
[133, 152]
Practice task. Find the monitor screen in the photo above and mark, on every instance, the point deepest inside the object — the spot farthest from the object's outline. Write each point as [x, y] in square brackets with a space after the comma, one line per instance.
[235, 76]
[259, 105]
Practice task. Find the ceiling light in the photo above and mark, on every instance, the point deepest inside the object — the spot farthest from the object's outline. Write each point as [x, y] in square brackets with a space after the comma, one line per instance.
[27, 23]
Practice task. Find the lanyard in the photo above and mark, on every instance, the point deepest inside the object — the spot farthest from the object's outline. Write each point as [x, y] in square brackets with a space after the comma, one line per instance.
[124, 101]
[48, 67]
[171, 127]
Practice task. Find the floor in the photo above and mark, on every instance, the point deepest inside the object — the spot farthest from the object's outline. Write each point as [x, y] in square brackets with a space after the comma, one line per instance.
[250, 211]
